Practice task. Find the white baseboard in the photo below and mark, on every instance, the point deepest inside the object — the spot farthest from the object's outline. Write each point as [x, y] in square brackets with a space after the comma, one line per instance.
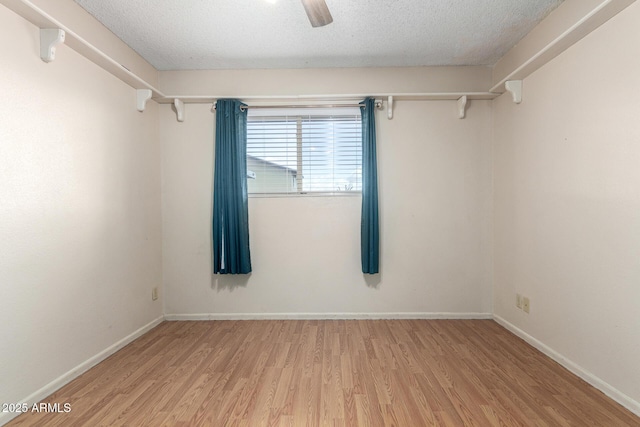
[324, 316]
[79, 370]
[601, 385]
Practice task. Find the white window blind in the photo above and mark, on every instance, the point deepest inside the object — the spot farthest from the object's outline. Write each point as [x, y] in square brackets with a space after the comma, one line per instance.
[304, 152]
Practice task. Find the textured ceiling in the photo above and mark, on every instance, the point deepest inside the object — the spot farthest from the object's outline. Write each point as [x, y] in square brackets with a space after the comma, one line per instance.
[227, 34]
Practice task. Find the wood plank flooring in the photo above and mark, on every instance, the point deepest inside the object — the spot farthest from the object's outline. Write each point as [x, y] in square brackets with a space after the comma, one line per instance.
[330, 373]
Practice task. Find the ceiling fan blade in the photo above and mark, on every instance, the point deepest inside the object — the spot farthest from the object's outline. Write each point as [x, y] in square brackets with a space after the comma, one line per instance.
[318, 12]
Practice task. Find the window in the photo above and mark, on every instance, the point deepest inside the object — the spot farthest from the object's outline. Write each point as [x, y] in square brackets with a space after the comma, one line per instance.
[304, 151]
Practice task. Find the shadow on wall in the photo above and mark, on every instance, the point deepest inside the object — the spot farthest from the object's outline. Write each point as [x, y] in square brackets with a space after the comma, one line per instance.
[229, 282]
[373, 280]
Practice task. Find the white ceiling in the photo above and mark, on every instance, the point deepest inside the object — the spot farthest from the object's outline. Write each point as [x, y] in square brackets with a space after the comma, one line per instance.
[235, 34]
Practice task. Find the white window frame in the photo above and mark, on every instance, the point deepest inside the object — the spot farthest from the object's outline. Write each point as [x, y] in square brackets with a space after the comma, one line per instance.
[301, 113]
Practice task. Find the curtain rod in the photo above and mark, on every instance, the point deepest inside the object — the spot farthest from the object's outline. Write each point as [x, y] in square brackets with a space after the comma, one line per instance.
[246, 107]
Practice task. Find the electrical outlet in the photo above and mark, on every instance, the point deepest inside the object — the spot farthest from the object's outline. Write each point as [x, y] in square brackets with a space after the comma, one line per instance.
[519, 301]
[526, 305]
[154, 293]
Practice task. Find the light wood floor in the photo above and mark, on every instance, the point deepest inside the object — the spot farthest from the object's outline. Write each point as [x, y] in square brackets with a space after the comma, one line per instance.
[330, 372]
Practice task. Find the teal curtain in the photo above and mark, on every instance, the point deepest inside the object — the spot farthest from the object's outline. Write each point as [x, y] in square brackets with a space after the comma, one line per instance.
[370, 232]
[230, 202]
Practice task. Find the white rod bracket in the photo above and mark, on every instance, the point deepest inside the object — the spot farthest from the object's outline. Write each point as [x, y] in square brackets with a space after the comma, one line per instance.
[179, 106]
[49, 39]
[462, 107]
[514, 87]
[390, 107]
[142, 96]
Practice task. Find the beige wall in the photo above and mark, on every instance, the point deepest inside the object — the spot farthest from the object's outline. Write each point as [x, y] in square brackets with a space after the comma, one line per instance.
[79, 212]
[435, 197]
[567, 205]
[334, 81]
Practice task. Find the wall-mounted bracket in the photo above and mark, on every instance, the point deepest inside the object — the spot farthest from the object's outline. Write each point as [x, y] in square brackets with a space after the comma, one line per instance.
[462, 107]
[49, 39]
[142, 96]
[179, 106]
[514, 87]
[390, 107]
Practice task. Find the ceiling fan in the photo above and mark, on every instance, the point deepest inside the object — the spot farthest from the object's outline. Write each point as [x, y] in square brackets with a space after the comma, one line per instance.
[318, 12]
